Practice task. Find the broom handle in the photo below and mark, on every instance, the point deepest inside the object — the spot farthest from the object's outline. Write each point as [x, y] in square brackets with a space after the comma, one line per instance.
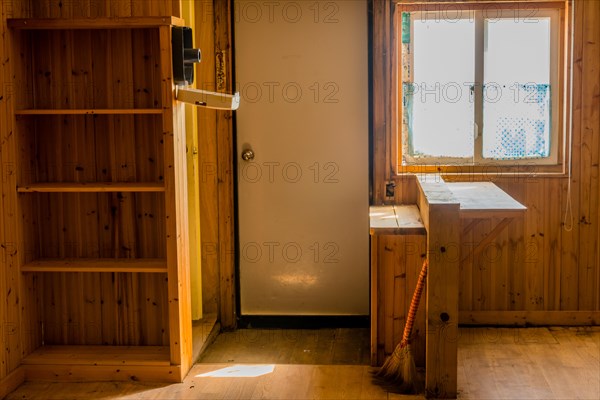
[414, 303]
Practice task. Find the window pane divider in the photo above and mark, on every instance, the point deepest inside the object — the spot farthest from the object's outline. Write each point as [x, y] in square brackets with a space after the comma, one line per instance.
[478, 85]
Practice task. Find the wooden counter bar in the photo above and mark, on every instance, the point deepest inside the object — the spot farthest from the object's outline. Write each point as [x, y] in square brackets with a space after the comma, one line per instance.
[440, 213]
[484, 200]
[401, 236]
[480, 201]
[398, 248]
[396, 220]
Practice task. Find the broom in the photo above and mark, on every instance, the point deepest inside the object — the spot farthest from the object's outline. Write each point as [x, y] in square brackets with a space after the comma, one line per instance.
[399, 369]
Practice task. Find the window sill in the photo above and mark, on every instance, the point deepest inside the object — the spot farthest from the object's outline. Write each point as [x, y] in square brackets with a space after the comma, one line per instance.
[486, 171]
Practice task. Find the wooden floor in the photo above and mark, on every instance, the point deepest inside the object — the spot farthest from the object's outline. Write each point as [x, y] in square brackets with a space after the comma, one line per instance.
[291, 346]
[534, 363]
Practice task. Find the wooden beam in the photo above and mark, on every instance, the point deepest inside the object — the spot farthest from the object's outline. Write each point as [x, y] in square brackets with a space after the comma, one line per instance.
[442, 301]
[421, 5]
[93, 23]
[11, 381]
[440, 212]
[374, 298]
[99, 355]
[487, 240]
[90, 111]
[91, 187]
[180, 318]
[528, 318]
[103, 373]
[470, 226]
[4, 125]
[97, 265]
[382, 92]
[13, 307]
[225, 170]
[207, 154]
[191, 137]
[589, 157]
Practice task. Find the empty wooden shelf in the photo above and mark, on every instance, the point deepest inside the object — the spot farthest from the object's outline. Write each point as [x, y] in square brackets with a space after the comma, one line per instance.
[98, 181]
[96, 265]
[93, 23]
[88, 111]
[91, 187]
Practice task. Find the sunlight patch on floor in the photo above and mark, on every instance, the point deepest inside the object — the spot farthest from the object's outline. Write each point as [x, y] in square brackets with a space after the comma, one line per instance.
[240, 371]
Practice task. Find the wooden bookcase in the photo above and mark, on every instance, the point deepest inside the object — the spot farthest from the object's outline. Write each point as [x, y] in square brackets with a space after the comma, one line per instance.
[101, 200]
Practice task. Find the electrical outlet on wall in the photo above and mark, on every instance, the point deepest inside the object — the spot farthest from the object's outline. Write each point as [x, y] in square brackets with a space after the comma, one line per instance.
[389, 189]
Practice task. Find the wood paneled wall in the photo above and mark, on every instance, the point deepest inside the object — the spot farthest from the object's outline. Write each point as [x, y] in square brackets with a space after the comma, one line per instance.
[98, 148]
[536, 265]
[95, 311]
[399, 260]
[544, 268]
[215, 130]
[98, 8]
[208, 159]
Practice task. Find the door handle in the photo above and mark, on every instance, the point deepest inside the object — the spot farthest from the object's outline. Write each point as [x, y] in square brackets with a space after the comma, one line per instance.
[247, 155]
[204, 98]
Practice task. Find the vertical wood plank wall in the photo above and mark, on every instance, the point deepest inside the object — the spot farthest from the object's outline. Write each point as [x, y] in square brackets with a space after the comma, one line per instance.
[399, 259]
[193, 177]
[534, 266]
[208, 157]
[139, 299]
[9, 272]
[215, 130]
[226, 149]
[535, 269]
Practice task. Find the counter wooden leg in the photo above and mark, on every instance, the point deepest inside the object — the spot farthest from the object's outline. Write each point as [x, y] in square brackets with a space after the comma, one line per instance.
[442, 301]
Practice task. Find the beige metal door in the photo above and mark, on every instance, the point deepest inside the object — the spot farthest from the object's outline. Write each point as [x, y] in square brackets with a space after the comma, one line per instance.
[302, 134]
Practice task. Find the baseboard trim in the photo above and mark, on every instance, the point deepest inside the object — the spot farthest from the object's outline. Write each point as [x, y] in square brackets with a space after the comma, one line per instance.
[303, 322]
[11, 382]
[529, 318]
[102, 373]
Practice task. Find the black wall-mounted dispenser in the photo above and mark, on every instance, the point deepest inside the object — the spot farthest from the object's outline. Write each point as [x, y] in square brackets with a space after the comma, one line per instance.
[184, 58]
[184, 55]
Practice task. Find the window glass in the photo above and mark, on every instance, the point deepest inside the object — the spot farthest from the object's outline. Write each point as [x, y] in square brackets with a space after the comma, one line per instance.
[516, 91]
[437, 102]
